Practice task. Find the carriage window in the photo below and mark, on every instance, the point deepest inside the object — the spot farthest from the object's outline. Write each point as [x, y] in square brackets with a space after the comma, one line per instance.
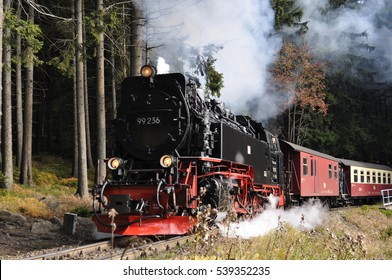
[379, 177]
[362, 177]
[330, 171]
[374, 177]
[335, 172]
[312, 167]
[367, 176]
[384, 178]
[355, 175]
[389, 178]
[305, 166]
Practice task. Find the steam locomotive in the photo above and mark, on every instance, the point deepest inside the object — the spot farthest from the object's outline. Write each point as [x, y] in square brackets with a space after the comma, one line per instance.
[179, 153]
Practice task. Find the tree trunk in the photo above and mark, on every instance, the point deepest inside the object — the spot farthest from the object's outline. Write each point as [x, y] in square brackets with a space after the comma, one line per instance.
[293, 127]
[114, 94]
[75, 164]
[136, 43]
[101, 121]
[7, 164]
[1, 61]
[75, 107]
[19, 100]
[82, 190]
[125, 61]
[113, 88]
[26, 166]
[90, 163]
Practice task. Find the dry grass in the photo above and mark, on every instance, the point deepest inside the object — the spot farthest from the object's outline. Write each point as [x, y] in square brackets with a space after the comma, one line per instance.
[347, 234]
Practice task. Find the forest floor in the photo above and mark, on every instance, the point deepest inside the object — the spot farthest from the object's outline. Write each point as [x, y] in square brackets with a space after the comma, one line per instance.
[21, 237]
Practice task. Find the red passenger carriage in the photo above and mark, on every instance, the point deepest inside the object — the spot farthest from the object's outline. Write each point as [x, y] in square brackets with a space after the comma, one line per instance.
[310, 173]
[365, 180]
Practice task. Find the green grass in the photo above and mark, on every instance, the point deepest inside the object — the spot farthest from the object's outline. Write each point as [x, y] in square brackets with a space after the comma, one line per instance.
[386, 212]
[52, 194]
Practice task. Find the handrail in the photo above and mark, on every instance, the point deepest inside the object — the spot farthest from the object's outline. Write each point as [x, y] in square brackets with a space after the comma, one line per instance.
[386, 197]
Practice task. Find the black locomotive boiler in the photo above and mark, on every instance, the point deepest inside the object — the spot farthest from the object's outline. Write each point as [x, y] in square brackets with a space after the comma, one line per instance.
[179, 153]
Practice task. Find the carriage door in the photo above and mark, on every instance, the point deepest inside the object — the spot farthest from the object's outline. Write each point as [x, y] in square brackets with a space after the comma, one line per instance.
[313, 174]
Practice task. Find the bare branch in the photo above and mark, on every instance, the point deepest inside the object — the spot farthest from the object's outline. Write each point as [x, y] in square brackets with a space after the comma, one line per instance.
[44, 10]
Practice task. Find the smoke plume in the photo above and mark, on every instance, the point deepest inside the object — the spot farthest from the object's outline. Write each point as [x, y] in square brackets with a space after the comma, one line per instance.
[242, 28]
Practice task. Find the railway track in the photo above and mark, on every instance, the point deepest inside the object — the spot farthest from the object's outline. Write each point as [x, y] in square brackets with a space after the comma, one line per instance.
[105, 251]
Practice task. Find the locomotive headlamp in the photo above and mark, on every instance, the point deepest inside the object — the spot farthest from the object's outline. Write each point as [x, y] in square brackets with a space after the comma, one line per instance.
[115, 163]
[167, 161]
[148, 71]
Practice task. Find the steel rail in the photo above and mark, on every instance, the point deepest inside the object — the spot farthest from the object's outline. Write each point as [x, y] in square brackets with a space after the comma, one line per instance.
[73, 252]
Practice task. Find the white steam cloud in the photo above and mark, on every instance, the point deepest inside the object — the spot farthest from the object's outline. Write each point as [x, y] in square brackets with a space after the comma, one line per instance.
[242, 27]
[306, 217]
[332, 34]
[162, 66]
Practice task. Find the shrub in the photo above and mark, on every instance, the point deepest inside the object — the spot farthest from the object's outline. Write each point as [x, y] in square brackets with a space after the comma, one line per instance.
[82, 211]
[34, 208]
[365, 208]
[42, 178]
[69, 182]
[387, 232]
[386, 212]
